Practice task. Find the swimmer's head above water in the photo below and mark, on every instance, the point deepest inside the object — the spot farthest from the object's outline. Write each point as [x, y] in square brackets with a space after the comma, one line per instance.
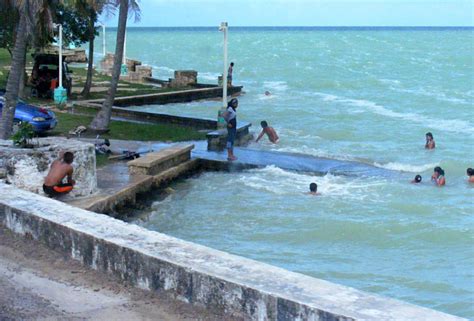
[313, 187]
[429, 136]
[470, 172]
[264, 124]
[417, 179]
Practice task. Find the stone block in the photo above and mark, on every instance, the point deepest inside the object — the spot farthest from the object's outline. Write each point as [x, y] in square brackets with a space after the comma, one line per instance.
[154, 163]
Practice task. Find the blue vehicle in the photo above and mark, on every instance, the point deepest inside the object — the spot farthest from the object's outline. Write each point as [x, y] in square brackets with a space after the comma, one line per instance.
[41, 119]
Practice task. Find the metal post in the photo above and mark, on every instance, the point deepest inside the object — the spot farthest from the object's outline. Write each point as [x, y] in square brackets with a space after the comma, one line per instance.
[60, 93]
[103, 40]
[125, 49]
[224, 80]
[60, 56]
[220, 118]
[124, 69]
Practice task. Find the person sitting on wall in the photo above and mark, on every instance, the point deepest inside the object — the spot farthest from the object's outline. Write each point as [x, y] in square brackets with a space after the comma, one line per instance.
[60, 168]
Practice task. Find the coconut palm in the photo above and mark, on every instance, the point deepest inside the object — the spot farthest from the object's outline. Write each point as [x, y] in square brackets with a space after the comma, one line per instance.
[91, 9]
[35, 17]
[102, 119]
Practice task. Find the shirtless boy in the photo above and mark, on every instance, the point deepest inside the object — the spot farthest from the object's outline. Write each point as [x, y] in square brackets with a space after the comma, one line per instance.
[271, 133]
[60, 168]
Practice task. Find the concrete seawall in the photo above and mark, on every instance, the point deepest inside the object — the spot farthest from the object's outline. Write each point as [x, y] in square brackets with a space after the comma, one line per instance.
[241, 288]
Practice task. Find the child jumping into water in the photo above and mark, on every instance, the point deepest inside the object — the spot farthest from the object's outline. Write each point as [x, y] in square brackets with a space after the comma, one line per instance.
[430, 143]
[271, 133]
[438, 176]
[470, 173]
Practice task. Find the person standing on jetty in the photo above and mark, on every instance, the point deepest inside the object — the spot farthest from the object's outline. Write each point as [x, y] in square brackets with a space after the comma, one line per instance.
[230, 117]
[229, 74]
[438, 176]
[60, 168]
[430, 143]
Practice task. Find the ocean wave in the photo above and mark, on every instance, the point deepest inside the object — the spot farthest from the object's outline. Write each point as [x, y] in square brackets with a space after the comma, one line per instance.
[276, 85]
[450, 125]
[209, 76]
[406, 167]
[163, 68]
[281, 182]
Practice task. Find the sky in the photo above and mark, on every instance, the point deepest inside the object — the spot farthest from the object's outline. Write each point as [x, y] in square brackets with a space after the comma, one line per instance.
[162, 13]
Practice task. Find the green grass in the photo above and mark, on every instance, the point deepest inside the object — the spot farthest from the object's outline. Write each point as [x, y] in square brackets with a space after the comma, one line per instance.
[128, 130]
[101, 160]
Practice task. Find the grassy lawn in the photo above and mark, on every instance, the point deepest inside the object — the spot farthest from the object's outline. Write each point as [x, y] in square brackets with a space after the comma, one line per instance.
[128, 130]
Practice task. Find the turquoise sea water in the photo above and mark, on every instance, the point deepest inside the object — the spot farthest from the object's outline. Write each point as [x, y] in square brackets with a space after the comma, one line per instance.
[358, 94]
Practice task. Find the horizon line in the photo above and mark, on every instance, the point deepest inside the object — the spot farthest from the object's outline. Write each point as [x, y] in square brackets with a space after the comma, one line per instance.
[281, 26]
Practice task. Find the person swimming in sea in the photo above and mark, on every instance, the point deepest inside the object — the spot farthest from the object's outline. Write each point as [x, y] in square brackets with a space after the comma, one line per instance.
[438, 176]
[313, 189]
[470, 173]
[271, 133]
[430, 143]
[417, 179]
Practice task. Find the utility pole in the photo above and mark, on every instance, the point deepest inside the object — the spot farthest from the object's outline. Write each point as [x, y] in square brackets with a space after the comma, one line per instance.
[220, 119]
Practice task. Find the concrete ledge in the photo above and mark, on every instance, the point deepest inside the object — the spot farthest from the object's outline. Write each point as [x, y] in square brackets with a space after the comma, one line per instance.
[216, 140]
[178, 96]
[240, 287]
[153, 118]
[154, 163]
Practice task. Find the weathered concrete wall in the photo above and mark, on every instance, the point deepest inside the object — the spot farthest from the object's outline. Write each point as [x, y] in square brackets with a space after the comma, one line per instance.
[154, 118]
[181, 96]
[27, 168]
[156, 162]
[184, 78]
[240, 287]
[217, 140]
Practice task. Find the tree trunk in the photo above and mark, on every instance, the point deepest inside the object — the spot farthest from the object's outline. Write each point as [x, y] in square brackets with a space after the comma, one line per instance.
[87, 87]
[102, 119]
[13, 83]
[23, 78]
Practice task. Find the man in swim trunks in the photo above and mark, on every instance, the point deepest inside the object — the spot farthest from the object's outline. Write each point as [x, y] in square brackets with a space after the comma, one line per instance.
[271, 133]
[230, 71]
[60, 168]
[470, 173]
[438, 176]
[430, 143]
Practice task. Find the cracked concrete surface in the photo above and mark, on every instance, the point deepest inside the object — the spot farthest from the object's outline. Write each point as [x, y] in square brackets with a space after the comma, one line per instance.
[38, 284]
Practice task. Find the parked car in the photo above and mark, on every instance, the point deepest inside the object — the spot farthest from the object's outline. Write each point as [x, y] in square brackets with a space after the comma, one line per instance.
[45, 74]
[41, 119]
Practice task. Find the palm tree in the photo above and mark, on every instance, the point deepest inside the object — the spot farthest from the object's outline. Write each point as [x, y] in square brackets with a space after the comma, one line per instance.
[91, 9]
[101, 121]
[35, 16]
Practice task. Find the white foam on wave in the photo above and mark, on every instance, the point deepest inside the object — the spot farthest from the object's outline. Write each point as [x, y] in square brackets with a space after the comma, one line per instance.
[450, 125]
[163, 68]
[407, 167]
[278, 181]
[275, 85]
[209, 76]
